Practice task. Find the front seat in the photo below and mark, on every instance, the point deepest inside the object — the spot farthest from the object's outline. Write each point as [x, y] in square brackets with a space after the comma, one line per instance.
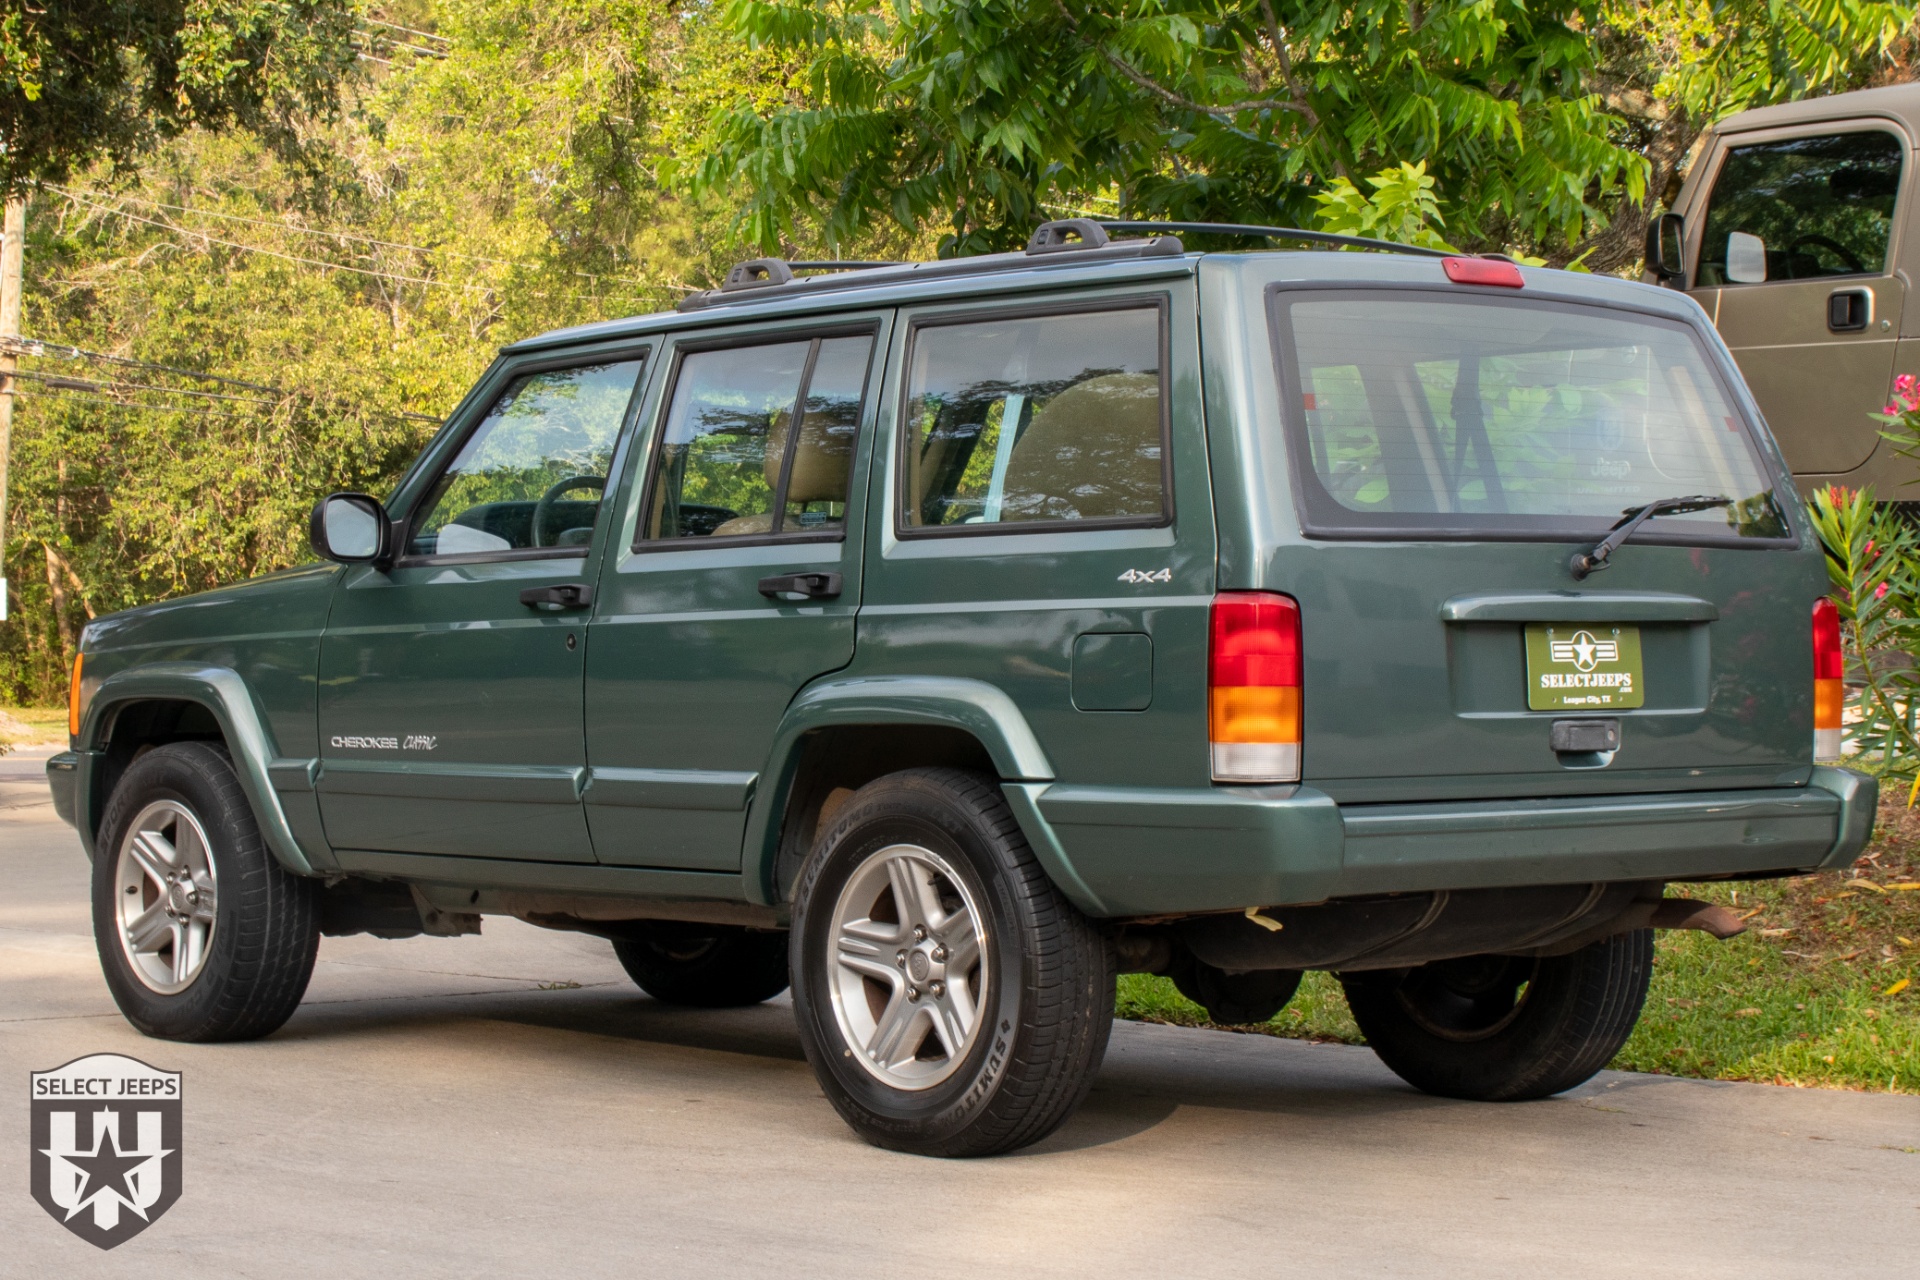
[820, 462]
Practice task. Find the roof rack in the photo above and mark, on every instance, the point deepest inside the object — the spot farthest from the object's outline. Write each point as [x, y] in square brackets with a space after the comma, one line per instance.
[1274, 233]
[1083, 237]
[768, 278]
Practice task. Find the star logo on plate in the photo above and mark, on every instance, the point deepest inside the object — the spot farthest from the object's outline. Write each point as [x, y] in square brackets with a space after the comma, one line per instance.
[1585, 650]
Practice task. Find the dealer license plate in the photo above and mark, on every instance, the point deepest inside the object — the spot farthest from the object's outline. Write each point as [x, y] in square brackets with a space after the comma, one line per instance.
[1583, 667]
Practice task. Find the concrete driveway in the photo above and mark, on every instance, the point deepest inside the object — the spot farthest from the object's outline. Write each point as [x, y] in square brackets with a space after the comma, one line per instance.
[511, 1105]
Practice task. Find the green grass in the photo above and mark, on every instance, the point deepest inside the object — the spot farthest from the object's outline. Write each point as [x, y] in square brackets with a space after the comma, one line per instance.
[32, 726]
[1801, 998]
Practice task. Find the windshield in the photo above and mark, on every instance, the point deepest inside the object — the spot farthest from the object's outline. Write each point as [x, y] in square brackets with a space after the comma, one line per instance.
[1418, 413]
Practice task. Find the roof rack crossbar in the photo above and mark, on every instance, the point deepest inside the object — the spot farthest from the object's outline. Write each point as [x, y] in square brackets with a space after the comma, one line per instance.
[1277, 233]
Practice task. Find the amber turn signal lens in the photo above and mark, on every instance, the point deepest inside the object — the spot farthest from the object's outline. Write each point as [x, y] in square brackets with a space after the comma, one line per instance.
[73, 698]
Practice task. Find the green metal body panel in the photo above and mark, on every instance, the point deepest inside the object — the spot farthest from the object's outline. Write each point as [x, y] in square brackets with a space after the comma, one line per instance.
[689, 667]
[450, 714]
[246, 653]
[656, 758]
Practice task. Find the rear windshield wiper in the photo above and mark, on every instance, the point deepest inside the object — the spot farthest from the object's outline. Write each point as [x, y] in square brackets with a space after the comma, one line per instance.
[1586, 562]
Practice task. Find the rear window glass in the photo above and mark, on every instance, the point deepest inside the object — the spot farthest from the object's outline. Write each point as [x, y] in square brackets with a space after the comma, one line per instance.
[1418, 413]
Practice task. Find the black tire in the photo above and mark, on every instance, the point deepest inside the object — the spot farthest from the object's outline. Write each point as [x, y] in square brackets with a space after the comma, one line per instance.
[1041, 991]
[704, 966]
[1236, 999]
[265, 927]
[1505, 1028]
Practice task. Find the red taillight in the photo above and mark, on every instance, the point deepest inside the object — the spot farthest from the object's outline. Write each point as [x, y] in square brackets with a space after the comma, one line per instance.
[1829, 669]
[1253, 688]
[1495, 271]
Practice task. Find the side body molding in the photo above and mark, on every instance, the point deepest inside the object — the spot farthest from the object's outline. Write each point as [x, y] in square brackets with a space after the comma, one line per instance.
[262, 772]
[972, 706]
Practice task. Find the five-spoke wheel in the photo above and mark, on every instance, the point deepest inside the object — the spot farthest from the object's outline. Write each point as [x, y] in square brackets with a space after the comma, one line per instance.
[951, 1001]
[201, 934]
[167, 896]
[909, 971]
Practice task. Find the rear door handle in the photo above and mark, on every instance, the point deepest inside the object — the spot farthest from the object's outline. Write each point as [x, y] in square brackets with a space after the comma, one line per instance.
[564, 595]
[818, 586]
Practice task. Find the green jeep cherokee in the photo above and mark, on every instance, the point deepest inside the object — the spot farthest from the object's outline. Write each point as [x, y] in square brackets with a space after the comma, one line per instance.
[944, 638]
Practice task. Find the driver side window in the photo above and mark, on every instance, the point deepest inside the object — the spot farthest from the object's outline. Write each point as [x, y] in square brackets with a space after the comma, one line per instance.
[1802, 208]
[532, 474]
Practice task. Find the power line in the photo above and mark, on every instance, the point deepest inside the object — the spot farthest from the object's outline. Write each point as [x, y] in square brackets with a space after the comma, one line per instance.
[282, 225]
[322, 263]
[40, 348]
[412, 31]
[58, 383]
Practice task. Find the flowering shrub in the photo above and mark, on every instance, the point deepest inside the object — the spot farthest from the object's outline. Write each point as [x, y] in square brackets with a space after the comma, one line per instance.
[1873, 562]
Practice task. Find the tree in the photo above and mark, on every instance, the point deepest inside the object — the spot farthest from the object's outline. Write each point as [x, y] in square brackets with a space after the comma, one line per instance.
[86, 80]
[987, 115]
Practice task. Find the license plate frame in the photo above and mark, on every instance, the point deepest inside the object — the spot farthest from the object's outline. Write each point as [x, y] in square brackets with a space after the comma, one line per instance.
[1584, 667]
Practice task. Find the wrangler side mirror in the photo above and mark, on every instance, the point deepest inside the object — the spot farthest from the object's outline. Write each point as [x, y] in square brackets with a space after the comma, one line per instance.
[351, 528]
[1746, 258]
[1666, 238]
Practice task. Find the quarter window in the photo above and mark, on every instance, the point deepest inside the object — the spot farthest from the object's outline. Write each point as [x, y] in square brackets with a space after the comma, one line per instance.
[732, 463]
[532, 474]
[1036, 420]
[1818, 206]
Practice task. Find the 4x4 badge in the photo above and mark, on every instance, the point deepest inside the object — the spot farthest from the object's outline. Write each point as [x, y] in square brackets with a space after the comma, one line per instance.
[1138, 576]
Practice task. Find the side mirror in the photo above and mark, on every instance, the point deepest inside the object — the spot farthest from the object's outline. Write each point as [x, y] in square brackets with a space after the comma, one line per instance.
[351, 528]
[1666, 240]
[1746, 258]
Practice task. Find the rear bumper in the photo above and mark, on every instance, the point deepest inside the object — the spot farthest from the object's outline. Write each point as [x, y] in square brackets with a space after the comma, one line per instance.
[1125, 852]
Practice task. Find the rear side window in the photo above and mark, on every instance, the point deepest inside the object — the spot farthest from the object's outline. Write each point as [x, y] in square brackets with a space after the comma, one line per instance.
[1036, 420]
[732, 463]
[1419, 413]
[1819, 206]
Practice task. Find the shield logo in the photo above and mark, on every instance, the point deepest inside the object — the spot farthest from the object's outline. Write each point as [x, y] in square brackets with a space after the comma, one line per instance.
[106, 1145]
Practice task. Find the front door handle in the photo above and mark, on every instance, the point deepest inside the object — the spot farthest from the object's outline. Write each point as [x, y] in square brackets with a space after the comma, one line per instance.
[817, 586]
[1849, 310]
[564, 595]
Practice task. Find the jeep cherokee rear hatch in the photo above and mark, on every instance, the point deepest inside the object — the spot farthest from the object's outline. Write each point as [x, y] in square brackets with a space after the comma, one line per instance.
[1452, 449]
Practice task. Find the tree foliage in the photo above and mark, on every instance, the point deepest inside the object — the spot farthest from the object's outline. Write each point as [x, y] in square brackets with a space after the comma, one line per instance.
[82, 80]
[496, 180]
[982, 116]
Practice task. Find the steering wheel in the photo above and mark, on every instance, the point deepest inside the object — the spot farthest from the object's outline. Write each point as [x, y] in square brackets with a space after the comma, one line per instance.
[1840, 251]
[543, 509]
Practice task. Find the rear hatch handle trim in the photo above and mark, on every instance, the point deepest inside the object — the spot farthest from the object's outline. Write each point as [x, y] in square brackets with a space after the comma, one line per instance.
[1578, 606]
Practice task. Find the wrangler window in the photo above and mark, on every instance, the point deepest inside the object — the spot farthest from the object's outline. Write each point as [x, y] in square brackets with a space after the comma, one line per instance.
[1420, 413]
[1819, 206]
[1036, 420]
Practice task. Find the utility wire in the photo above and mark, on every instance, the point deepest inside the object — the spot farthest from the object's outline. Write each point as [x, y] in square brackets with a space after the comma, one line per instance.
[59, 383]
[281, 225]
[322, 263]
[40, 348]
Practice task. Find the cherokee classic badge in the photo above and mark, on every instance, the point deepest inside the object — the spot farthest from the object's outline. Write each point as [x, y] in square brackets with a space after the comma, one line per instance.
[106, 1145]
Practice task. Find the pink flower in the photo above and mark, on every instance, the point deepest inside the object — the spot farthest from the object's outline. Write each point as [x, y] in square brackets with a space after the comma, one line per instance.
[1880, 592]
[1891, 409]
[1903, 383]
